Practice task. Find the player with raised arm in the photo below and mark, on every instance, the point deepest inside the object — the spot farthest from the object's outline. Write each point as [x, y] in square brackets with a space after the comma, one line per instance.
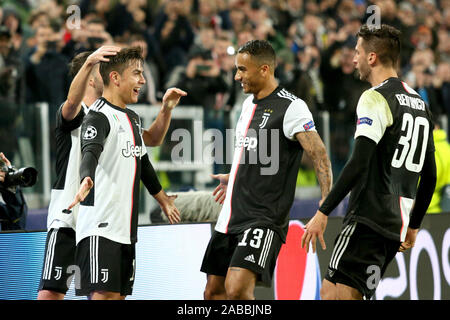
[256, 195]
[114, 161]
[393, 149]
[86, 87]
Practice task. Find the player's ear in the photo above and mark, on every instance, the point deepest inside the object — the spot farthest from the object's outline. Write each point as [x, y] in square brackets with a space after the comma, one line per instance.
[265, 69]
[372, 58]
[114, 77]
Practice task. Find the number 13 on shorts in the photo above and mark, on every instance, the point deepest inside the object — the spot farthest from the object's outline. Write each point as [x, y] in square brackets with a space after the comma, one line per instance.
[258, 241]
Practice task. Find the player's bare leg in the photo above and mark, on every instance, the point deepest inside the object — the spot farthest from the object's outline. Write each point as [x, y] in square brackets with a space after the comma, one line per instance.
[240, 284]
[215, 288]
[328, 290]
[106, 295]
[50, 295]
[345, 292]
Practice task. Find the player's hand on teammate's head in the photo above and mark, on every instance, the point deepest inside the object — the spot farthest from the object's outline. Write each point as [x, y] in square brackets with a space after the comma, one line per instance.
[85, 187]
[172, 97]
[102, 53]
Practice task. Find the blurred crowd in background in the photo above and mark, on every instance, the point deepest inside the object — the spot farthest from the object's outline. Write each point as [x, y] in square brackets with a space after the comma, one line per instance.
[191, 44]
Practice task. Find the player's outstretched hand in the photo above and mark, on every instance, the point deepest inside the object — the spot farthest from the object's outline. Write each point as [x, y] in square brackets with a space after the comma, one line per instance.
[410, 240]
[85, 187]
[221, 190]
[167, 205]
[172, 97]
[314, 229]
[102, 53]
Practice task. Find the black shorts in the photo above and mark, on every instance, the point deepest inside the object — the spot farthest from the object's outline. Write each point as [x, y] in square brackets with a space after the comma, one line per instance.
[59, 260]
[360, 258]
[105, 265]
[255, 249]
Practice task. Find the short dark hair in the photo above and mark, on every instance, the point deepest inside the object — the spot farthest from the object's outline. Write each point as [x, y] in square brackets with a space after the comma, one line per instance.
[120, 62]
[262, 50]
[384, 41]
[77, 62]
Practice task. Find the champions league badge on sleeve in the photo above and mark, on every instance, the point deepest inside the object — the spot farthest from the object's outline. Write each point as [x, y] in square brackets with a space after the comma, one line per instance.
[309, 125]
[364, 120]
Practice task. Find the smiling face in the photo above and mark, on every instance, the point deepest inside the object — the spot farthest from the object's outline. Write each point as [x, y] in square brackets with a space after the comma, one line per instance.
[249, 73]
[130, 82]
[123, 76]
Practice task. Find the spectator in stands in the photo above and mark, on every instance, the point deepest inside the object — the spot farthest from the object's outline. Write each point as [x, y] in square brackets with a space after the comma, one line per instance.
[46, 70]
[203, 79]
[441, 197]
[174, 33]
[340, 100]
[148, 92]
[441, 83]
[46, 75]
[91, 36]
[12, 91]
[13, 22]
[13, 211]
[307, 83]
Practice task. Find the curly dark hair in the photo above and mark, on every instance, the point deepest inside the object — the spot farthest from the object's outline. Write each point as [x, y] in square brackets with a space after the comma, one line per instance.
[384, 41]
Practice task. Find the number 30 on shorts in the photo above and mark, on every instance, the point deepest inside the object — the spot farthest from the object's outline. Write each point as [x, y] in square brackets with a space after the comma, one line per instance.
[255, 238]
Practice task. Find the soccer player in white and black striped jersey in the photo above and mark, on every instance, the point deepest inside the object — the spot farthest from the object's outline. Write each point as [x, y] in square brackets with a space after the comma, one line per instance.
[85, 88]
[114, 161]
[257, 195]
[393, 149]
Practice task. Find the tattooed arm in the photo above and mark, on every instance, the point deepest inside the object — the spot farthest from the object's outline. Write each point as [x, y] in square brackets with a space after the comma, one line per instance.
[315, 149]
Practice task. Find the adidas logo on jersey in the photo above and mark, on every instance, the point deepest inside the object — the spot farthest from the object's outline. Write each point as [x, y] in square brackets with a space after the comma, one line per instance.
[250, 258]
[132, 151]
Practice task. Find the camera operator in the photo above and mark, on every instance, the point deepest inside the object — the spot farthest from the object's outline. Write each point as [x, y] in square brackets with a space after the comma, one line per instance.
[13, 212]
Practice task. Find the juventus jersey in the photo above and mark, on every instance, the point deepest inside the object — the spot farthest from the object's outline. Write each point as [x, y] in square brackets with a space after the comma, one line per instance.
[68, 157]
[111, 208]
[261, 185]
[398, 120]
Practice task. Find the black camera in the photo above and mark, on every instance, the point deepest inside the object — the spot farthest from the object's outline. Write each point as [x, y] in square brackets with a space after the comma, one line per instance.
[24, 177]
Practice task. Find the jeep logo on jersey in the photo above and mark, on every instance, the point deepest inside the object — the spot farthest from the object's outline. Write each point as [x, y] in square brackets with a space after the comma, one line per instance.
[90, 133]
[248, 142]
[131, 150]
